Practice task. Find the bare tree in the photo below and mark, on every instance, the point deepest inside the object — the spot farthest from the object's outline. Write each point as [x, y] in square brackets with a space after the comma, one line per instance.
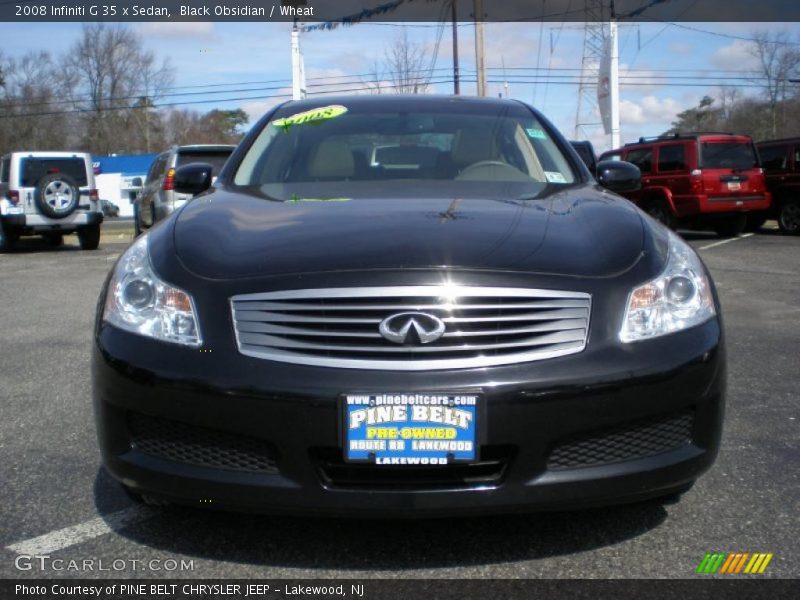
[729, 97]
[374, 80]
[116, 81]
[214, 127]
[30, 105]
[407, 65]
[779, 61]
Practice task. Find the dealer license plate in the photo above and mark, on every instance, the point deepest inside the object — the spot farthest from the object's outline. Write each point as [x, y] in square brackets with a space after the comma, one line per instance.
[411, 429]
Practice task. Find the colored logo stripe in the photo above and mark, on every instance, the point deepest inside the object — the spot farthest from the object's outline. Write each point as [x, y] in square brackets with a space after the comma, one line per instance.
[734, 563]
[711, 562]
[758, 564]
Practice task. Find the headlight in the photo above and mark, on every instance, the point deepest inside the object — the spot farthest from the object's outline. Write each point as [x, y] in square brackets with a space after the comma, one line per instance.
[140, 302]
[677, 299]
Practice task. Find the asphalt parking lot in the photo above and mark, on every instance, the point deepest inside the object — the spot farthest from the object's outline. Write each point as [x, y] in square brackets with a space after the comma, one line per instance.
[57, 501]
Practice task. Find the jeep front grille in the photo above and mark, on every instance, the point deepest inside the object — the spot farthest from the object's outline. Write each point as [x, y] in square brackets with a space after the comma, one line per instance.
[339, 327]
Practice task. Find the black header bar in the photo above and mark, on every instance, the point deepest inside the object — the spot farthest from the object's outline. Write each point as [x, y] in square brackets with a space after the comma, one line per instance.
[401, 589]
[333, 13]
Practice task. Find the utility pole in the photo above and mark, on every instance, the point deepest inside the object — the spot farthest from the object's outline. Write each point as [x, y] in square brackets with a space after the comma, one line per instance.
[599, 83]
[456, 81]
[613, 77]
[505, 79]
[593, 49]
[480, 63]
[298, 69]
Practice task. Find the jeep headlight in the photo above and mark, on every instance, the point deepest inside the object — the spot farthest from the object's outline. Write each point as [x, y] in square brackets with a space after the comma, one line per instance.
[140, 302]
[677, 299]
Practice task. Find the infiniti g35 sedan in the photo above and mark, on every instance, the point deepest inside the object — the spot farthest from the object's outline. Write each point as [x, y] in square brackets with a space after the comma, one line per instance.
[407, 306]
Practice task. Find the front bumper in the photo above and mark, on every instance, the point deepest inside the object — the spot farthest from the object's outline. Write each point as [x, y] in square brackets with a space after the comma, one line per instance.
[532, 410]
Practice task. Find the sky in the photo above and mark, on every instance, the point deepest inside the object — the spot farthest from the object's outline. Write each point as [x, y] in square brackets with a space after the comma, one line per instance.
[662, 59]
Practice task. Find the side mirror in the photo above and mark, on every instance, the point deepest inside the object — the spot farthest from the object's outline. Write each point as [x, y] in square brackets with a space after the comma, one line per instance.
[619, 176]
[136, 182]
[194, 178]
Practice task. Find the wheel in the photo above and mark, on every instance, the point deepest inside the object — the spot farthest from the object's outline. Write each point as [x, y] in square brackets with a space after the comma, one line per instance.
[755, 221]
[54, 240]
[732, 226]
[57, 195]
[789, 217]
[659, 209]
[89, 237]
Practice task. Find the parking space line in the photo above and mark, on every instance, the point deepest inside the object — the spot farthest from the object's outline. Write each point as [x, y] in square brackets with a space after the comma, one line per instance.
[76, 534]
[715, 244]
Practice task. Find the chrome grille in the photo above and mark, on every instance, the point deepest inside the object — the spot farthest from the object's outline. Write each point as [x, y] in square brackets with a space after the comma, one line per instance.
[339, 327]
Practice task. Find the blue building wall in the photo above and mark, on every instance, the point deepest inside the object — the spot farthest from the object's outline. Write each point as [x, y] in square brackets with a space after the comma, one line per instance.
[125, 164]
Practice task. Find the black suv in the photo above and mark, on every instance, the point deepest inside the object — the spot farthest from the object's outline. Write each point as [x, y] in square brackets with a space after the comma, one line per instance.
[585, 150]
[781, 162]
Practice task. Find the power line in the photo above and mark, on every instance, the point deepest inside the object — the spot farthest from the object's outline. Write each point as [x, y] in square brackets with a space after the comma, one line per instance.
[439, 81]
[728, 35]
[85, 97]
[542, 76]
[216, 100]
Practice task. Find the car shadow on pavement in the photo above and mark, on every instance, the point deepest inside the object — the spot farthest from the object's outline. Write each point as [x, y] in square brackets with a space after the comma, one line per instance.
[35, 244]
[371, 544]
[690, 235]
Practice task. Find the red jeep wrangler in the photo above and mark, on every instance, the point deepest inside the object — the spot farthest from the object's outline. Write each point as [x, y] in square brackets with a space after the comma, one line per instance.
[699, 181]
[781, 162]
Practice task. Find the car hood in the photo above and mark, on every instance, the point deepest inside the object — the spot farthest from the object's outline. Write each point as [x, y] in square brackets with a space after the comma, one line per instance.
[581, 232]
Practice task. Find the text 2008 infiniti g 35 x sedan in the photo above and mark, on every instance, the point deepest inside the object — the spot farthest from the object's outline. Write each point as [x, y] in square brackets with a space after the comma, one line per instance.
[407, 306]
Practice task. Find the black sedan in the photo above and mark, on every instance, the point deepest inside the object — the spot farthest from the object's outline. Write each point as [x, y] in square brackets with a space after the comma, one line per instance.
[407, 306]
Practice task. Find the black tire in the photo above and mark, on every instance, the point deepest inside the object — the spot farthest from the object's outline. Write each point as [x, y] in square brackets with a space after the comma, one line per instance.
[755, 221]
[728, 227]
[789, 216]
[137, 230]
[660, 210]
[89, 237]
[57, 195]
[54, 240]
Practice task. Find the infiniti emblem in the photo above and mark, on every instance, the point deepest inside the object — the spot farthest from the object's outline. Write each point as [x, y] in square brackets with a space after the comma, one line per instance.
[412, 328]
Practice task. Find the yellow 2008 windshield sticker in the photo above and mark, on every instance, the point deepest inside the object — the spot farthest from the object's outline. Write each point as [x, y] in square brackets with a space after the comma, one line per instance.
[315, 115]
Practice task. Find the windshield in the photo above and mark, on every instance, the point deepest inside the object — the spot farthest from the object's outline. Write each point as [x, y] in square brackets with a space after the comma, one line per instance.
[728, 155]
[444, 149]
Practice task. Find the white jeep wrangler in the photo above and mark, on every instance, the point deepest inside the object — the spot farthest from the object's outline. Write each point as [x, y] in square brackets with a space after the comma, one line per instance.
[49, 194]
